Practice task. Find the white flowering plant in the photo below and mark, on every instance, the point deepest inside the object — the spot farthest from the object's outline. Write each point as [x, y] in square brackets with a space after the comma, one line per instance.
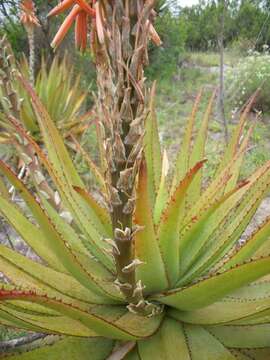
[251, 73]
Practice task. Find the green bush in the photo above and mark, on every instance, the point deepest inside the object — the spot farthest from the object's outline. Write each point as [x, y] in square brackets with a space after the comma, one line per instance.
[240, 46]
[251, 73]
[165, 59]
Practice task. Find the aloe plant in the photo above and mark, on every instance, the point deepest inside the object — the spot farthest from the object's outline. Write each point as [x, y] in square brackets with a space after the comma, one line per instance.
[154, 271]
[57, 86]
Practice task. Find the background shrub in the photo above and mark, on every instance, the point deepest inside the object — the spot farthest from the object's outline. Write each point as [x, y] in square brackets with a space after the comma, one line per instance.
[251, 73]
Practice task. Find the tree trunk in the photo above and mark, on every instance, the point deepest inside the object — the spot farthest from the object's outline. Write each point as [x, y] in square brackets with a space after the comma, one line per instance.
[221, 109]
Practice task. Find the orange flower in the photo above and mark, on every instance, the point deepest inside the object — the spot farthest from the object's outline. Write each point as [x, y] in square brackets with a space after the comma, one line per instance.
[80, 14]
[28, 17]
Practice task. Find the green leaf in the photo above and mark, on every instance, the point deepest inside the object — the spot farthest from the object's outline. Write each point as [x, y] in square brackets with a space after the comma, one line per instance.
[167, 344]
[57, 151]
[194, 236]
[26, 273]
[105, 320]
[162, 195]
[252, 336]
[225, 225]
[245, 306]
[152, 272]
[204, 346]
[168, 230]
[57, 324]
[86, 219]
[182, 161]
[221, 242]
[54, 241]
[215, 287]
[252, 244]
[234, 143]
[100, 212]
[198, 154]
[239, 160]
[91, 165]
[238, 354]
[152, 149]
[258, 354]
[30, 233]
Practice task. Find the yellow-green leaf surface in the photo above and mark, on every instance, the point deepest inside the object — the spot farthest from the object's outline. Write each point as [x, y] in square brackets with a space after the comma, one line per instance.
[54, 241]
[167, 344]
[101, 213]
[47, 323]
[195, 235]
[224, 226]
[215, 287]
[235, 140]
[109, 321]
[30, 233]
[249, 336]
[163, 193]
[24, 272]
[198, 154]
[247, 305]
[252, 244]
[84, 216]
[169, 226]
[147, 249]
[204, 346]
[152, 150]
[57, 151]
[182, 161]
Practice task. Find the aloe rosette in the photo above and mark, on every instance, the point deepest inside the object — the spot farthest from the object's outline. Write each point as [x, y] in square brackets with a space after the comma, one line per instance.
[209, 298]
[57, 87]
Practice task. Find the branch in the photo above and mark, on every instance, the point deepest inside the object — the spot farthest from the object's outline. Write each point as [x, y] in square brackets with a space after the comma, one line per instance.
[24, 340]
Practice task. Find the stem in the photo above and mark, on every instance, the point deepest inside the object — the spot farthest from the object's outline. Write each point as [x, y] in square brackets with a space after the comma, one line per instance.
[221, 73]
[31, 42]
[24, 340]
[120, 49]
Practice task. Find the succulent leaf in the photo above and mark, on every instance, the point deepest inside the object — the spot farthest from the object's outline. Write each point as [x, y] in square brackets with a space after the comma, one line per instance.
[152, 272]
[112, 322]
[198, 153]
[169, 225]
[208, 291]
[245, 306]
[167, 343]
[57, 151]
[182, 161]
[204, 345]
[152, 149]
[252, 336]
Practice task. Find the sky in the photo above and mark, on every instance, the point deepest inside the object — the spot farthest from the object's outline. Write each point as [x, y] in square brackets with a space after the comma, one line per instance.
[187, 2]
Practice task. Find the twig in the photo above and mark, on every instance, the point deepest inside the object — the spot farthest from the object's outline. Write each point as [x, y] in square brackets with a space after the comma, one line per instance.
[24, 340]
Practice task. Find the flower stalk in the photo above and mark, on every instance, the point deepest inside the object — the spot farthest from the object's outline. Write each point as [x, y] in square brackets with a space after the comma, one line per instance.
[30, 21]
[120, 37]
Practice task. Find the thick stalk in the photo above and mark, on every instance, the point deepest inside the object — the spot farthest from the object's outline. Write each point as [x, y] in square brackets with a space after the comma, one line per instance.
[221, 108]
[120, 47]
[31, 43]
